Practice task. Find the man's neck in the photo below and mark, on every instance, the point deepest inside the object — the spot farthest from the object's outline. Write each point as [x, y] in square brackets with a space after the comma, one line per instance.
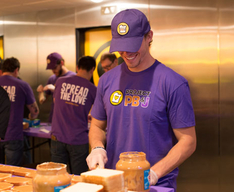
[9, 73]
[64, 70]
[84, 74]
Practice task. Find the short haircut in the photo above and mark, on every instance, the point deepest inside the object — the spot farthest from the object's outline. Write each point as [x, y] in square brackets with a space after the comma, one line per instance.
[86, 62]
[10, 65]
[111, 56]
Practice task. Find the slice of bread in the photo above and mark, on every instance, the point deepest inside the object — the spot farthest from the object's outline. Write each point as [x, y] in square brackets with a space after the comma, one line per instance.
[76, 179]
[112, 180]
[17, 181]
[5, 186]
[23, 188]
[3, 176]
[83, 187]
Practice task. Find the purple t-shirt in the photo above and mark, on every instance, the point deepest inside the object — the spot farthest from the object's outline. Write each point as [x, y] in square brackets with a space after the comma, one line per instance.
[74, 97]
[52, 80]
[141, 108]
[20, 94]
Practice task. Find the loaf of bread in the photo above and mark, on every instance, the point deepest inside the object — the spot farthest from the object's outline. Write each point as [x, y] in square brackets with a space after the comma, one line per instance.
[112, 180]
[83, 187]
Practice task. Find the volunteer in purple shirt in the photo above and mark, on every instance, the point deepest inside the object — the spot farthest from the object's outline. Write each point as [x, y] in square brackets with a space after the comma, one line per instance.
[20, 94]
[146, 106]
[56, 63]
[73, 99]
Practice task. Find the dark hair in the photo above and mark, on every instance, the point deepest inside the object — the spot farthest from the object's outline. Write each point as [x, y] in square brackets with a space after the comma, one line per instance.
[10, 65]
[111, 56]
[86, 62]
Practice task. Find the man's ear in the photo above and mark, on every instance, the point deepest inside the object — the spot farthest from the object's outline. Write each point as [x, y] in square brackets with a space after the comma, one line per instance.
[16, 72]
[62, 62]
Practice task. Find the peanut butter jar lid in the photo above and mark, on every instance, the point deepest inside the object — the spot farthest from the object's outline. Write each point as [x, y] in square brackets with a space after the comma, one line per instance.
[51, 168]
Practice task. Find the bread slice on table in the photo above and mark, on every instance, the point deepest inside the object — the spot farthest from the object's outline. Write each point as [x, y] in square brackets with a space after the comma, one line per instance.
[5, 186]
[18, 181]
[112, 180]
[83, 187]
[24, 172]
[23, 188]
[3, 176]
[7, 169]
[76, 179]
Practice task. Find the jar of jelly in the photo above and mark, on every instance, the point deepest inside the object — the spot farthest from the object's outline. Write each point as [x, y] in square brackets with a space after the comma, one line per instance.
[51, 177]
[136, 170]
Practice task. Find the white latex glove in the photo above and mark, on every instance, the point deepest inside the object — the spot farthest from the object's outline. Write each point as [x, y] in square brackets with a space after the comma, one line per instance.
[97, 158]
[153, 177]
[40, 88]
[49, 87]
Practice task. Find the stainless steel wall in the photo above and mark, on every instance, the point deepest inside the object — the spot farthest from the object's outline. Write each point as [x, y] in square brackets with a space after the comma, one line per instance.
[195, 38]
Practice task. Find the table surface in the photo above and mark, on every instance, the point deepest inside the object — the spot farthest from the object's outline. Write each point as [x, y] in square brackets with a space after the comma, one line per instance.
[43, 131]
[161, 189]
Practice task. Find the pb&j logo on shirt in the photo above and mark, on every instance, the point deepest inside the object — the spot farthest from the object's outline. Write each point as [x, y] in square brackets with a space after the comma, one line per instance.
[116, 98]
[136, 98]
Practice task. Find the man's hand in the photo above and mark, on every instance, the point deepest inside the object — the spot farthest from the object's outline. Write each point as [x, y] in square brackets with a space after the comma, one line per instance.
[49, 87]
[40, 88]
[97, 158]
[153, 177]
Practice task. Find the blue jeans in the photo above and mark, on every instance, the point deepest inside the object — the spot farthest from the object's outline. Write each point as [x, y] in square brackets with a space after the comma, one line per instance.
[13, 151]
[74, 155]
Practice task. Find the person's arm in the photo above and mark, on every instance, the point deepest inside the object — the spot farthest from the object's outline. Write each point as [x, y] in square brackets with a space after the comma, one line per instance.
[97, 139]
[183, 149]
[34, 110]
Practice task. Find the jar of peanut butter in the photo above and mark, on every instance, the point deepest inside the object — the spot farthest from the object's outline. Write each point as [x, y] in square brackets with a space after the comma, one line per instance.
[136, 170]
[51, 177]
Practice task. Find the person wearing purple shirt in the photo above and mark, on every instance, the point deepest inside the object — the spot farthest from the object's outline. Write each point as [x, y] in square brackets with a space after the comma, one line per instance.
[56, 63]
[73, 99]
[141, 105]
[20, 94]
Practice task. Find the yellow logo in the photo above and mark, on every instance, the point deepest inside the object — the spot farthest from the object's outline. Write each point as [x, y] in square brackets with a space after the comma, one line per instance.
[48, 61]
[123, 28]
[116, 98]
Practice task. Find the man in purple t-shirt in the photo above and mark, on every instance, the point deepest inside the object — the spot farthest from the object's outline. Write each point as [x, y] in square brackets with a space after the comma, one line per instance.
[146, 106]
[20, 94]
[56, 63]
[73, 99]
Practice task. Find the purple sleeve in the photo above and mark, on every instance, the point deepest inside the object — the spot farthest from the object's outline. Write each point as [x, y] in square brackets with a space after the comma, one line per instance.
[98, 109]
[30, 99]
[180, 107]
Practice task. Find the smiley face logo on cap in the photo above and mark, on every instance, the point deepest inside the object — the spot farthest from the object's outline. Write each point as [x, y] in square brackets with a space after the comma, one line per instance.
[122, 28]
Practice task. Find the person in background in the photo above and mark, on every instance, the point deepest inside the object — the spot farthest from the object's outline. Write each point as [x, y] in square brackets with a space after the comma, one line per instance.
[20, 93]
[56, 63]
[146, 106]
[1, 61]
[5, 106]
[73, 99]
[108, 61]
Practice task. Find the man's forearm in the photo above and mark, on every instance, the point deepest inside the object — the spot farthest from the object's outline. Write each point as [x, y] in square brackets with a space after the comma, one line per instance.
[177, 155]
[97, 135]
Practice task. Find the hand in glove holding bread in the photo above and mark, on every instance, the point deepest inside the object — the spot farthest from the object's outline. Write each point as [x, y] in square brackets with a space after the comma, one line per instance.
[97, 158]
